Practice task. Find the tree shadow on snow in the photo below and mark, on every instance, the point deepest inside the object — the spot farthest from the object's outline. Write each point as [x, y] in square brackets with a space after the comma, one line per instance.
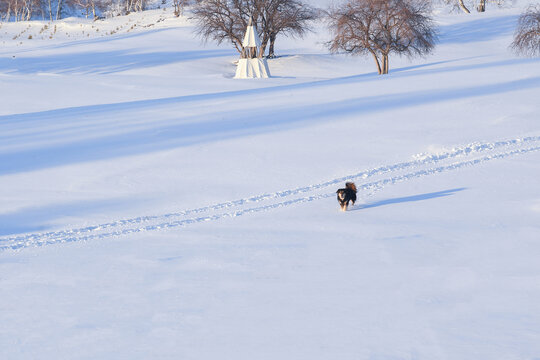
[95, 40]
[413, 198]
[482, 29]
[83, 134]
[102, 62]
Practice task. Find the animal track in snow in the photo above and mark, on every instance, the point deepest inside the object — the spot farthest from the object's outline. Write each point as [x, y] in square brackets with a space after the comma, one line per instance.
[475, 153]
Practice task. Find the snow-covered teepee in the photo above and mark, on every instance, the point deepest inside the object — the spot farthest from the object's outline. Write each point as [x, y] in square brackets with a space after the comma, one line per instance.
[249, 64]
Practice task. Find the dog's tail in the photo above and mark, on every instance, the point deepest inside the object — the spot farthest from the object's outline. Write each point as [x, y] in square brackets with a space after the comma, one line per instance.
[351, 185]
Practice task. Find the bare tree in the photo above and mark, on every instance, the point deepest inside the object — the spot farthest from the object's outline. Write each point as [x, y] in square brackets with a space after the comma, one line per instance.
[89, 6]
[223, 20]
[19, 10]
[463, 7]
[134, 5]
[527, 35]
[382, 27]
[480, 5]
[179, 6]
[49, 9]
[289, 17]
[59, 8]
[226, 20]
[456, 4]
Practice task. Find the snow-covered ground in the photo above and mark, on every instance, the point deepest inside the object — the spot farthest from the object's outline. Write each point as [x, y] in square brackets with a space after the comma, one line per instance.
[152, 207]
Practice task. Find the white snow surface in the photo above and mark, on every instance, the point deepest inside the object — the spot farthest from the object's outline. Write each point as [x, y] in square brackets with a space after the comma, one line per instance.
[153, 207]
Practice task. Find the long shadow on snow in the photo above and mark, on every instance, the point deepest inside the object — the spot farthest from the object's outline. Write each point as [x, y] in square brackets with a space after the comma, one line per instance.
[102, 62]
[403, 72]
[400, 200]
[478, 30]
[100, 40]
[219, 126]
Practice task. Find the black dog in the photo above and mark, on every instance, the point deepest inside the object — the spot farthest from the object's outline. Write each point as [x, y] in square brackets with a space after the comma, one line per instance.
[345, 195]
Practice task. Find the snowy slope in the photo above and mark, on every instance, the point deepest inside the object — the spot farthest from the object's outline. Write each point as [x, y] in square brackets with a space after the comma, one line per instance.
[154, 207]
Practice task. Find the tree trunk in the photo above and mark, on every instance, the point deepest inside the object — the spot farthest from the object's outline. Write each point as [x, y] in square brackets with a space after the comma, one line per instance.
[16, 12]
[379, 70]
[264, 43]
[262, 49]
[50, 11]
[8, 13]
[481, 6]
[271, 48]
[59, 10]
[463, 7]
[176, 4]
[386, 65]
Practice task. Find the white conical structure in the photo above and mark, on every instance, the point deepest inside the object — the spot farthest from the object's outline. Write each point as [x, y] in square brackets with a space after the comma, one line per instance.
[252, 68]
[249, 65]
[251, 39]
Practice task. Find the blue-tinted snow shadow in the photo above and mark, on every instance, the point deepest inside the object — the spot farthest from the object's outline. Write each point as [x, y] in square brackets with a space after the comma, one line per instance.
[478, 30]
[102, 62]
[41, 218]
[89, 41]
[207, 127]
[406, 71]
[412, 70]
[413, 198]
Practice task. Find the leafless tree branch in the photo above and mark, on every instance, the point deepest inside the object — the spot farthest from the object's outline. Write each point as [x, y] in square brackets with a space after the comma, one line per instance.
[226, 20]
[527, 35]
[382, 27]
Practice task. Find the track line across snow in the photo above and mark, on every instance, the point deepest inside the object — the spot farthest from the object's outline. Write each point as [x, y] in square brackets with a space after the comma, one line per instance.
[487, 151]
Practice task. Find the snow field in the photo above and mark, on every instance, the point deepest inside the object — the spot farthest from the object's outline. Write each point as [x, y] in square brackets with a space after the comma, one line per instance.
[155, 208]
[166, 221]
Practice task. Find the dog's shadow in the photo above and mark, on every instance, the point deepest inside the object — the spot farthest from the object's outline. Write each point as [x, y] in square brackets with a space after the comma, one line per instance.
[419, 197]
